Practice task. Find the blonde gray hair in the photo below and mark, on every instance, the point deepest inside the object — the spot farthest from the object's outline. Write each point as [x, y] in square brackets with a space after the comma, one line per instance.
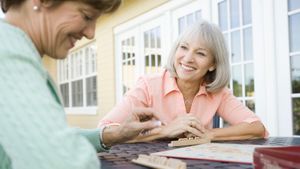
[214, 39]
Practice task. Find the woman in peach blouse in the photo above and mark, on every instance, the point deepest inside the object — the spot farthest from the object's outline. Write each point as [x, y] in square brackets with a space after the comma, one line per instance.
[191, 90]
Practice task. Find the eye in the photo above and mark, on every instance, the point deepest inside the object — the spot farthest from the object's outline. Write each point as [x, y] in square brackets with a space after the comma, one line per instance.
[87, 17]
[183, 47]
[201, 54]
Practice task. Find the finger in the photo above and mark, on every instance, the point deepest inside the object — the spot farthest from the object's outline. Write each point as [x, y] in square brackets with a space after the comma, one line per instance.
[194, 119]
[195, 123]
[194, 131]
[148, 125]
[200, 127]
[144, 113]
[189, 135]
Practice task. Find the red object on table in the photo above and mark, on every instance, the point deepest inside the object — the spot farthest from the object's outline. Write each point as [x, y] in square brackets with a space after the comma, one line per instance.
[277, 157]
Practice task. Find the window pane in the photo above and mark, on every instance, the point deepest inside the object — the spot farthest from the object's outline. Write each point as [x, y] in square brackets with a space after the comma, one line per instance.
[198, 15]
[158, 39]
[152, 38]
[132, 41]
[226, 39]
[248, 50]
[181, 24]
[294, 27]
[153, 60]
[235, 47]
[80, 63]
[190, 19]
[128, 62]
[234, 13]
[77, 93]
[123, 55]
[293, 4]
[87, 60]
[295, 73]
[237, 81]
[247, 19]
[151, 53]
[73, 66]
[249, 80]
[66, 69]
[147, 61]
[250, 104]
[64, 89]
[146, 39]
[133, 59]
[93, 58]
[91, 91]
[296, 116]
[223, 15]
[159, 60]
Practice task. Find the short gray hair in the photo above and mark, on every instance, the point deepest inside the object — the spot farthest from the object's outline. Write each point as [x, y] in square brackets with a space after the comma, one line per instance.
[214, 39]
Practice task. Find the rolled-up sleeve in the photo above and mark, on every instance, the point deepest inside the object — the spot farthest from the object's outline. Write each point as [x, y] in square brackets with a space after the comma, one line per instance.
[233, 111]
[136, 97]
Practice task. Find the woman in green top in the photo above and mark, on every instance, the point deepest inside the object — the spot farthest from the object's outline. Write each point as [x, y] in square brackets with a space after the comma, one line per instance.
[33, 129]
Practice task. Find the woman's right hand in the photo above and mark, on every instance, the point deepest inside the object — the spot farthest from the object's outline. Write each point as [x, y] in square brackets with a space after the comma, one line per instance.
[141, 120]
[182, 125]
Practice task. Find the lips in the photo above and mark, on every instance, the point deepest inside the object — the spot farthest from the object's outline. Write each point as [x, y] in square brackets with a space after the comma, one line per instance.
[187, 67]
[73, 39]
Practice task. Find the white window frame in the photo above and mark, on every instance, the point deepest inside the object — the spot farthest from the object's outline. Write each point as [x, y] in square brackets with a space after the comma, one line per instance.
[257, 74]
[285, 112]
[271, 64]
[157, 22]
[118, 62]
[84, 110]
[203, 5]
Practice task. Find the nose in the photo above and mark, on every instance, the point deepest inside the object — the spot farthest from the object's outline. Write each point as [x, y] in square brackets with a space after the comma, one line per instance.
[89, 30]
[188, 57]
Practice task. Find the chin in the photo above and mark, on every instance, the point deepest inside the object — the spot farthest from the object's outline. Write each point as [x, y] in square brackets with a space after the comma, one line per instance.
[62, 55]
[59, 57]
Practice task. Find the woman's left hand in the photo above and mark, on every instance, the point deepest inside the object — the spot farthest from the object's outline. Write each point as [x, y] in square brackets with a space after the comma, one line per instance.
[181, 125]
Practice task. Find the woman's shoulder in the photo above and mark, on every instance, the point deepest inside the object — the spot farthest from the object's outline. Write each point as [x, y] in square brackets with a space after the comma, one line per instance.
[222, 92]
[155, 77]
[16, 42]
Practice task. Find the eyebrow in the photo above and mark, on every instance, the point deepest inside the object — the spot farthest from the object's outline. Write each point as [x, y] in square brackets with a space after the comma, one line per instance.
[89, 10]
[185, 43]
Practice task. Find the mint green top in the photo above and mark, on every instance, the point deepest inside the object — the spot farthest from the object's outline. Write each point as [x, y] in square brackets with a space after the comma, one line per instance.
[33, 129]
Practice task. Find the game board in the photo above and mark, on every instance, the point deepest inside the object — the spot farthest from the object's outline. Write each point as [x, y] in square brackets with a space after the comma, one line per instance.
[239, 153]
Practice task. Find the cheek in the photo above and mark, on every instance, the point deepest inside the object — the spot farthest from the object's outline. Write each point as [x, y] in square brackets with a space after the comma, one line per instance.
[178, 55]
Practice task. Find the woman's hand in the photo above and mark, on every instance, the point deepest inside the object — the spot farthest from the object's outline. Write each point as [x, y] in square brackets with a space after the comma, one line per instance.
[183, 125]
[141, 120]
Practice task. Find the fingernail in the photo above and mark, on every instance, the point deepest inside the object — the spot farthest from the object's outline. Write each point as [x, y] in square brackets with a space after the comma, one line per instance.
[157, 123]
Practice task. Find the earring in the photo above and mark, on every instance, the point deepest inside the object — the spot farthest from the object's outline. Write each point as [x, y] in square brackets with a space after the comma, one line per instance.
[35, 8]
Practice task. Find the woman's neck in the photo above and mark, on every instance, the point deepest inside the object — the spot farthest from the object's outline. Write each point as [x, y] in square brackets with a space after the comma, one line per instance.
[188, 89]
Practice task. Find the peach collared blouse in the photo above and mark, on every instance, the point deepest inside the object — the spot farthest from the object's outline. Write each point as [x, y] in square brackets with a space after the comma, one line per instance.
[160, 91]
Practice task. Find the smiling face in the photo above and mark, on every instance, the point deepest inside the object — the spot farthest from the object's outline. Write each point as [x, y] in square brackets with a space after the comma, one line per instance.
[192, 61]
[64, 24]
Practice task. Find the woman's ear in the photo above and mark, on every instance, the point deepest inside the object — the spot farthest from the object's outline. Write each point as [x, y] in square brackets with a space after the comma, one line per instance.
[36, 5]
[211, 68]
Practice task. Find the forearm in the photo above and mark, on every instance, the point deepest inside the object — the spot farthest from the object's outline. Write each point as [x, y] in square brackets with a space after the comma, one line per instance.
[147, 137]
[240, 131]
[111, 136]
